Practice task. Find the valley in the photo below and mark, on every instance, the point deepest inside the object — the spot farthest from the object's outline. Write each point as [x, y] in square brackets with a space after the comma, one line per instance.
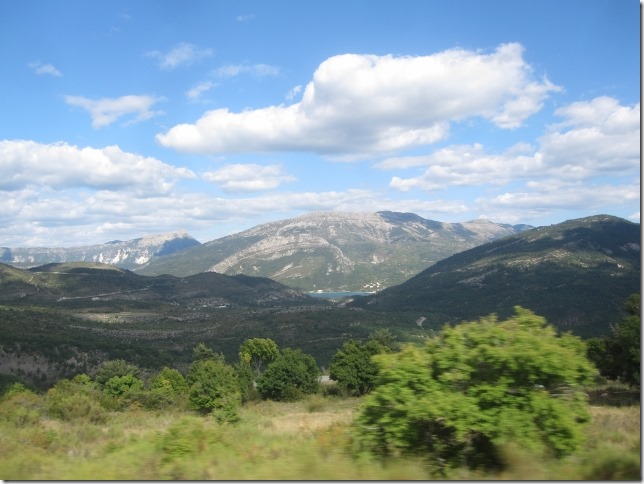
[60, 319]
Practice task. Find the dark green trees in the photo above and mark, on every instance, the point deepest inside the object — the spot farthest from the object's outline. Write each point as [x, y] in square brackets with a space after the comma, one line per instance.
[214, 388]
[292, 375]
[477, 387]
[618, 356]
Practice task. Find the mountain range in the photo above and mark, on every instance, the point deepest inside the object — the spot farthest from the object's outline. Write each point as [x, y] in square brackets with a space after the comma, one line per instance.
[125, 254]
[577, 274]
[330, 251]
[93, 283]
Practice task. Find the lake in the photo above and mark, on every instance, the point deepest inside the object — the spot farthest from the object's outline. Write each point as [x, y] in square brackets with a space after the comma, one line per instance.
[338, 295]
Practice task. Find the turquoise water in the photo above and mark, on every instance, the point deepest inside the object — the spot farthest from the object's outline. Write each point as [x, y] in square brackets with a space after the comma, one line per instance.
[337, 295]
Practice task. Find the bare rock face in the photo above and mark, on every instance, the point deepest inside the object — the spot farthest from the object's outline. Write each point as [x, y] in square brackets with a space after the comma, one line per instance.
[125, 254]
[334, 251]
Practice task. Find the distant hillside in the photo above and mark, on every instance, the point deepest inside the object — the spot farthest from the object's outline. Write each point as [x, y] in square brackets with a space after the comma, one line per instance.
[334, 251]
[94, 282]
[127, 255]
[577, 274]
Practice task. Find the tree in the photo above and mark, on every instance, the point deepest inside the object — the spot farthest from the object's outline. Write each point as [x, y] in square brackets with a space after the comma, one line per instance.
[477, 387]
[258, 352]
[618, 356]
[214, 389]
[385, 338]
[118, 386]
[352, 367]
[202, 352]
[292, 375]
[169, 380]
[112, 368]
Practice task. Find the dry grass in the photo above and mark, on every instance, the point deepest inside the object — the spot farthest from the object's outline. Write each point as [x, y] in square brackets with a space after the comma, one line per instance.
[303, 440]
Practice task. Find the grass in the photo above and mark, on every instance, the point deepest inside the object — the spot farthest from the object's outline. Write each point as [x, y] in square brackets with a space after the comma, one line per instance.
[309, 439]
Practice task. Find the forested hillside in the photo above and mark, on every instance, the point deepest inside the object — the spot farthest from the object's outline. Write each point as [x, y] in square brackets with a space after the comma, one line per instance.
[577, 274]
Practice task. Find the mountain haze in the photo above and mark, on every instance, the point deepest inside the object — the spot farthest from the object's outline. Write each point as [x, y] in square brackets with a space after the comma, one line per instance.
[333, 251]
[125, 254]
[577, 274]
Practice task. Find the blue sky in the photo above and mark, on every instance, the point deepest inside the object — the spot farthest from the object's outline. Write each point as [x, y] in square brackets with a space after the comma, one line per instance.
[126, 118]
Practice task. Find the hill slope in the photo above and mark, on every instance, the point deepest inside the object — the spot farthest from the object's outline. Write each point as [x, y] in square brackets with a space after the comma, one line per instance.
[334, 251]
[87, 282]
[125, 254]
[577, 274]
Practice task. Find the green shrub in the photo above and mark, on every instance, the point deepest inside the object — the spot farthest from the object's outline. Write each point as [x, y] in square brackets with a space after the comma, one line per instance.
[114, 368]
[119, 386]
[21, 406]
[477, 387]
[291, 376]
[76, 399]
[352, 367]
[214, 389]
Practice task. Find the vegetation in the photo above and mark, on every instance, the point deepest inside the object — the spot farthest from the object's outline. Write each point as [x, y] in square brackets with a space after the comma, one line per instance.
[292, 375]
[353, 368]
[576, 274]
[618, 356]
[271, 441]
[258, 352]
[213, 387]
[478, 388]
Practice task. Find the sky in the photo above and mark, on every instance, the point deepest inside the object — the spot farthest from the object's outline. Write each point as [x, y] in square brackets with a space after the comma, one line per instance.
[126, 118]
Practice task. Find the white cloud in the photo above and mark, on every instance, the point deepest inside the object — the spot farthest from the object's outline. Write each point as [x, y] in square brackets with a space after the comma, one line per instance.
[48, 69]
[359, 104]
[105, 111]
[43, 217]
[183, 53]
[463, 165]
[232, 70]
[603, 137]
[551, 196]
[61, 166]
[597, 138]
[248, 177]
[292, 94]
[201, 88]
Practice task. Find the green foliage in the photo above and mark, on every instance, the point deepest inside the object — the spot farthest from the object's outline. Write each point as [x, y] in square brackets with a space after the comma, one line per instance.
[21, 406]
[170, 379]
[618, 356]
[118, 386]
[477, 387]
[291, 376]
[114, 368]
[167, 388]
[214, 389]
[202, 352]
[352, 367]
[14, 389]
[258, 352]
[76, 399]
[385, 338]
[245, 376]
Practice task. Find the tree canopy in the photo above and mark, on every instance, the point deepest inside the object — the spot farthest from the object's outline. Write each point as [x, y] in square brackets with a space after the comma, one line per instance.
[476, 387]
[258, 352]
[292, 375]
[618, 356]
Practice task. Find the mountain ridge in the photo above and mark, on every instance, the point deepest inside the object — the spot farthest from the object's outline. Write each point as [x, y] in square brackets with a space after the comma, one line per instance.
[333, 251]
[97, 282]
[576, 274]
[126, 254]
